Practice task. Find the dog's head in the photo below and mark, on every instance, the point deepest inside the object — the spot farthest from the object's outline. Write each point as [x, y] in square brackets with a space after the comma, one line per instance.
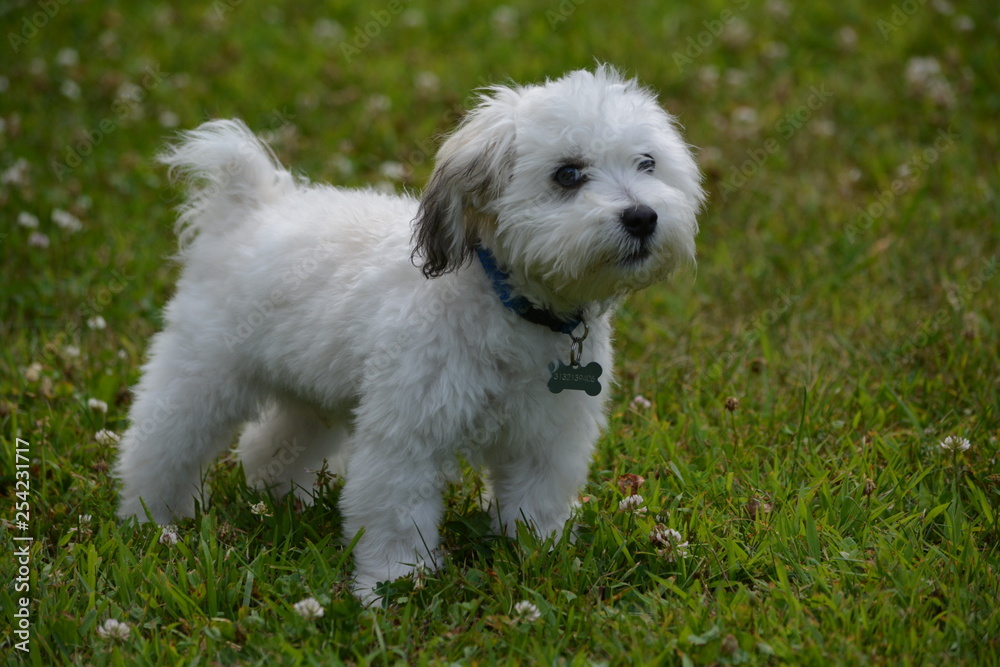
[582, 188]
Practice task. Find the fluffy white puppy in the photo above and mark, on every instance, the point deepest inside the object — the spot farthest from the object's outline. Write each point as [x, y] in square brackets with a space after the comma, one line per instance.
[387, 335]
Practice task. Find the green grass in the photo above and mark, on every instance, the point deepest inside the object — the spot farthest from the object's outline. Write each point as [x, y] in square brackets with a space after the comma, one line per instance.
[850, 306]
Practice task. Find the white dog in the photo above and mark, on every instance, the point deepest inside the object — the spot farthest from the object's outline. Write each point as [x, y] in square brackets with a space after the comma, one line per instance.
[388, 335]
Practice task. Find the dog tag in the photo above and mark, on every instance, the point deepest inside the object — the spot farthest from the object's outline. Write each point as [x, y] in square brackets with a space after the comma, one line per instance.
[581, 378]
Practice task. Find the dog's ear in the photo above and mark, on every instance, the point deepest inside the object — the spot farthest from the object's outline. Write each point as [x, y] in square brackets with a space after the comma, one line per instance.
[470, 172]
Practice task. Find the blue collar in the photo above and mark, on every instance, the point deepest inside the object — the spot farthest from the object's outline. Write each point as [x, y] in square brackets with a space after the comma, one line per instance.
[520, 304]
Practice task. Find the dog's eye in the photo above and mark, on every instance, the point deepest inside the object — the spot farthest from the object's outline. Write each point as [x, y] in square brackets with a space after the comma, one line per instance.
[568, 176]
[647, 164]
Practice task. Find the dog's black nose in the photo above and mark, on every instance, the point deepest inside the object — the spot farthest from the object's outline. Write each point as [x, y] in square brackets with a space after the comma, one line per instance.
[639, 221]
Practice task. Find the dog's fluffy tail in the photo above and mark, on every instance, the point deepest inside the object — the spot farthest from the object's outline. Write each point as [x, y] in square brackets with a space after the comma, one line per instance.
[228, 171]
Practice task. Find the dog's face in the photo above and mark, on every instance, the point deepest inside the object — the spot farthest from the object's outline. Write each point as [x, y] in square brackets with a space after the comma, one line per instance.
[582, 188]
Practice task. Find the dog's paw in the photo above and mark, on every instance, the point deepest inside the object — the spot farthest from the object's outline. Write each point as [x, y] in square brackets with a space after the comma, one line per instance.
[373, 590]
[151, 512]
[369, 590]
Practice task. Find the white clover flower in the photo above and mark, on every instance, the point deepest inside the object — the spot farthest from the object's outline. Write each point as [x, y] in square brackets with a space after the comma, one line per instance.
[328, 30]
[426, 82]
[413, 18]
[27, 220]
[744, 121]
[70, 89]
[943, 7]
[97, 323]
[66, 220]
[38, 240]
[394, 171]
[378, 104]
[823, 127]
[129, 92]
[260, 509]
[16, 174]
[671, 542]
[925, 77]
[169, 118]
[708, 77]
[632, 503]
[114, 629]
[736, 78]
[504, 21]
[309, 609]
[920, 69]
[97, 405]
[67, 57]
[33, 373]
[106, 437]
[526, 611]
[737, 34]
[952, 444]
[778, 9]
[169, 536]
[775, 50]
[661, 535]
[420, 573]
[640, 402]
[342, 164]
[847, 38]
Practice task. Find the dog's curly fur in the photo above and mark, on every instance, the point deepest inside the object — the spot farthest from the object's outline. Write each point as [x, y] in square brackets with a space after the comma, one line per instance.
[358, 327]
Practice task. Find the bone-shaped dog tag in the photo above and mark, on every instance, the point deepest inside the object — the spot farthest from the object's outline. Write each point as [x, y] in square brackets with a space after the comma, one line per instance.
[581, 378]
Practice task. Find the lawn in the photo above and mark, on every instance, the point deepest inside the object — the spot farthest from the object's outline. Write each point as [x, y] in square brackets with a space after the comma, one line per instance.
[815, 413]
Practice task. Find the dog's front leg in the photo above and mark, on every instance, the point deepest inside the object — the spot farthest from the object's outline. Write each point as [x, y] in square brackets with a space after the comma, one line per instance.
[535, 477]
[392, 494]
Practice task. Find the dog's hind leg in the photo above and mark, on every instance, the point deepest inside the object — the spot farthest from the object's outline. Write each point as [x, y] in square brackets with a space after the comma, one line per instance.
[184, 414]
[284, 448]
